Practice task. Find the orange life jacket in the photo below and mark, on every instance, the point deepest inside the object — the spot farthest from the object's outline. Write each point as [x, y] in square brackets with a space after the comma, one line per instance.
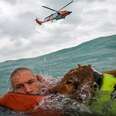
[25, 103]
[20, 102]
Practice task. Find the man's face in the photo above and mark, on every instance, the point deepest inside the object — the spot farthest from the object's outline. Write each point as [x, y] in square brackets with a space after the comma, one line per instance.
[25, 82]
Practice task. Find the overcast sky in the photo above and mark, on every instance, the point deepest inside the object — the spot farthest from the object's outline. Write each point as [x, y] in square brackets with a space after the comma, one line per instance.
[21, 37]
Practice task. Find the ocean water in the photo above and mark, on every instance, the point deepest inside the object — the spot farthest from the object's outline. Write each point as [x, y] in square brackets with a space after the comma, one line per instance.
[100, 53]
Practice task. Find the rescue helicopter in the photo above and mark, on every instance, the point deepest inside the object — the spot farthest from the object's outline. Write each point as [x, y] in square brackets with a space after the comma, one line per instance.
[59, 14]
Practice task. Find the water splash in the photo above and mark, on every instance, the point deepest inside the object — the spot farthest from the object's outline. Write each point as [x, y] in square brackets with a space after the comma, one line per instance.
[58, 102]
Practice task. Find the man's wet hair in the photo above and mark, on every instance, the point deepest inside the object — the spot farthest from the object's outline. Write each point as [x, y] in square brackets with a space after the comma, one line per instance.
[18, 70]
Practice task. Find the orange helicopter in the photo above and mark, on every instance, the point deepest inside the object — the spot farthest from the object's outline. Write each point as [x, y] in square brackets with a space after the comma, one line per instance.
[59, 14]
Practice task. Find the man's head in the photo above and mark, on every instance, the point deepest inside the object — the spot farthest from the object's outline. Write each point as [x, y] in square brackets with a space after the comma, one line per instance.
[24, 81]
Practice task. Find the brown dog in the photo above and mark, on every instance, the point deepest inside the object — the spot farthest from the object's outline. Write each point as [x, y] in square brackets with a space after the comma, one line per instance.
[77, 83]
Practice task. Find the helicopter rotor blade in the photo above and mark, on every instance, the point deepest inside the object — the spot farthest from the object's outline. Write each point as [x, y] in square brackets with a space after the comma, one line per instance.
[65, 5]
[50, 8]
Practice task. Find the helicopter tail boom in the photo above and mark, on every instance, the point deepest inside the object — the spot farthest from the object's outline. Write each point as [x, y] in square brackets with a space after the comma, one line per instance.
[38, 21]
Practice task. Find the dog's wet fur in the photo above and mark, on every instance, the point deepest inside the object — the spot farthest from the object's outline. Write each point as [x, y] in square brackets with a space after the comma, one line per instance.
[79, 83]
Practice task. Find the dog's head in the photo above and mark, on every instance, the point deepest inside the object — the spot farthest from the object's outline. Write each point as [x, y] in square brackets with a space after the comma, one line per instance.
[78, 82]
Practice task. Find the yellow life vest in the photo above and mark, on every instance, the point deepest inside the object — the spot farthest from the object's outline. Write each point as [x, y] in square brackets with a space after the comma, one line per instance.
[108, 83]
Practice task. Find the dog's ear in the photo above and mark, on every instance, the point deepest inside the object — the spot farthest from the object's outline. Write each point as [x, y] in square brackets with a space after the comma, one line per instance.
[89, 65]
[79, 65]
